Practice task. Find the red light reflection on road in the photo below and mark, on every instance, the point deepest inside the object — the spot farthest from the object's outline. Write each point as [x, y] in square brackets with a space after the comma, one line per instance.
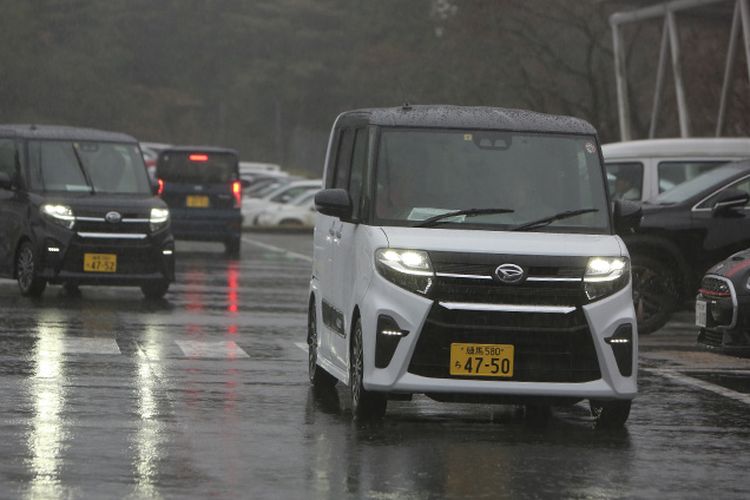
[233, 275]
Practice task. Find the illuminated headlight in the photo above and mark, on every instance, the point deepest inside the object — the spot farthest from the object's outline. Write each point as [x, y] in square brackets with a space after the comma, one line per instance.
[159, 218]
[605, 275]
[61, 215]
[409, 269]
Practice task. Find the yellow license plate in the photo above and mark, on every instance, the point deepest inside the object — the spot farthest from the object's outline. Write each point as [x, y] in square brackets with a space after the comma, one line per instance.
[100, 262]
[196, 201]
[483, 360]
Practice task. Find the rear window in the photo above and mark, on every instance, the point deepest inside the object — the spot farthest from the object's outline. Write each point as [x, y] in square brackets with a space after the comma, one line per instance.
[197, 167]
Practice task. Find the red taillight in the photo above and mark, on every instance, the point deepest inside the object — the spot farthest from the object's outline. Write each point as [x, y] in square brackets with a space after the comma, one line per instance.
[197, 157]
[237, 192]
[160, 190]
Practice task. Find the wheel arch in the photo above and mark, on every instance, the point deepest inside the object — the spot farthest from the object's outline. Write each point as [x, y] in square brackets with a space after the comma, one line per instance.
[23, 239]
[662, 250]
[356, 315]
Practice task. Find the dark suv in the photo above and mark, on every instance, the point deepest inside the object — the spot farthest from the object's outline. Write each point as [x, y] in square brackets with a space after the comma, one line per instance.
[203, 189]
[682, 233]
[77, 208]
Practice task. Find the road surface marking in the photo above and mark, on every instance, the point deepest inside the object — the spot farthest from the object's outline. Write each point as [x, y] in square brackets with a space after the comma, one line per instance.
[223, 349]
[277, 249]
[88, 345]
[301, 345]
[701, 384]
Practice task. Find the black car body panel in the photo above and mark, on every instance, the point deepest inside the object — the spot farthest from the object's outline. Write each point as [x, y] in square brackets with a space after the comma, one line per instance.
[202, 187]
[117, 225]
[724, 297]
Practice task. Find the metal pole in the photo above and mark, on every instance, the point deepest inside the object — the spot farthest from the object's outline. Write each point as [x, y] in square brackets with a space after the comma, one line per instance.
[623, 106]
[728, 69]
[659, 80]
[745, 15]
[674, 42]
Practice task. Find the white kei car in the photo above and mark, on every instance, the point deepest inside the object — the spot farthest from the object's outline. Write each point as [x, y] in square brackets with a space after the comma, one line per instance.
[468, 254]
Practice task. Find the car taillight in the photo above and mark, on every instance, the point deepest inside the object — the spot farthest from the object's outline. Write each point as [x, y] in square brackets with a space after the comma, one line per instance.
[160, 190]
[198, 157]
[237, 192]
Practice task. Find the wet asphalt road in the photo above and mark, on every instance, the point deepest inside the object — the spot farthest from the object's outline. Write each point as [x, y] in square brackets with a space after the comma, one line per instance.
[205, 395]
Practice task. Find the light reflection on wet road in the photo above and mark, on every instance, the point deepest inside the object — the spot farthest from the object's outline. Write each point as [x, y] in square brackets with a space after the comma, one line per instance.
[205, 394]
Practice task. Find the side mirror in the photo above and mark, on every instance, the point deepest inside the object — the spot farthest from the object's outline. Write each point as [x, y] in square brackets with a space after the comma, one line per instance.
[334, 202]
[627, 216]
[5, 181]
[729, 199]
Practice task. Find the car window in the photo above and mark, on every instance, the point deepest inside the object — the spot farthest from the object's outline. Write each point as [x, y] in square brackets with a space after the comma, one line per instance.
[343, 160]
[290, 194]
[673, 173]
[695, 186]
[625, 180]
[197, 168]
[359, 161]
[8, 157]
[742, 185]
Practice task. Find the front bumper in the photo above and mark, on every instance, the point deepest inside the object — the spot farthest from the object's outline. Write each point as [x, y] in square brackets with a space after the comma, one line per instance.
[558, 354]
[138, 260]
[727, 326]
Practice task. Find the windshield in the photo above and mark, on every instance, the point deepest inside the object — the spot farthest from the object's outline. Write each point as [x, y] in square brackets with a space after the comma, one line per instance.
[197, 168]
[88, 166]
[695, 186]
[522, 177]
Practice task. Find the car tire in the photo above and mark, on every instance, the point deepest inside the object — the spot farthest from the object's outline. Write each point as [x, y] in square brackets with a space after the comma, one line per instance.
[155, 290]
[655, 292]
[366, 405]
[610, 414]
[29, 282]
[232, 247]
[319, 378]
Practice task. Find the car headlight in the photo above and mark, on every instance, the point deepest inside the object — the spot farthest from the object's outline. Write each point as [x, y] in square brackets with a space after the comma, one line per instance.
[605, 275]
[409, 269]
[61, 215]
[159, 219]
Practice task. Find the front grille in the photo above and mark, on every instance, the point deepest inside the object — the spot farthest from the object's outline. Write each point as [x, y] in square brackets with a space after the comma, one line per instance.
[91, 226]
[470, 277]
[712, 338]
[133, 257]
[714, 287]
[548, 347]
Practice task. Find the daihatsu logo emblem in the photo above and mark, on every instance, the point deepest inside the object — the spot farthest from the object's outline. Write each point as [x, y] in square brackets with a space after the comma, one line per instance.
[113, 217]
[510, 273]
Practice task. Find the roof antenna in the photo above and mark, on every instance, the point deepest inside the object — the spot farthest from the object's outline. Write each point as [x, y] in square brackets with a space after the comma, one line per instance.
[406, 106]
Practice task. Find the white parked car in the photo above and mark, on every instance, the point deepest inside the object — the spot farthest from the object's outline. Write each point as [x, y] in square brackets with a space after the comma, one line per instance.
[299, 213]
[252, 207]
[444, 266]
[641, 170]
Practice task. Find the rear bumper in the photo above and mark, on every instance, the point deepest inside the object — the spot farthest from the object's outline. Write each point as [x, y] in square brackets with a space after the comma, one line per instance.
[208, 225]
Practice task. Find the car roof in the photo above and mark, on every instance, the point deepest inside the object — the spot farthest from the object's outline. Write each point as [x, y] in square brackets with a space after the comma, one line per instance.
[468, 117]
[197, 149]
[62, 133]
[727, 147]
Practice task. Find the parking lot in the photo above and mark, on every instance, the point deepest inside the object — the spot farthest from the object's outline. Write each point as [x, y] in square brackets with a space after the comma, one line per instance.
[206, 394]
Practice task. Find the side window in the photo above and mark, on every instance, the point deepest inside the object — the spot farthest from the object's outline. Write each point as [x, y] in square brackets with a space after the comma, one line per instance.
[343, 160]
[8, 158]
[742, 185]
[672, 173]
[625, 180]
[359, 163]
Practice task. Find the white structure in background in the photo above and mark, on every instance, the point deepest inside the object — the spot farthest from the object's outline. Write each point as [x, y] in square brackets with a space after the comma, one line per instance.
[299, 212]
[670, 41]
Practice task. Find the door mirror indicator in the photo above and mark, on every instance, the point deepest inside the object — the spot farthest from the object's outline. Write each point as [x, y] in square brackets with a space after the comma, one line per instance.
[334, 202]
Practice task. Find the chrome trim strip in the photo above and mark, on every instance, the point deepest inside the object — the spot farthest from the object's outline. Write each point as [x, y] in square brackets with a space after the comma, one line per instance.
[695, 207]
[135, 221]
[90, 219]
[553, 279]
[114, 236]
[473, 306]
[464, 276]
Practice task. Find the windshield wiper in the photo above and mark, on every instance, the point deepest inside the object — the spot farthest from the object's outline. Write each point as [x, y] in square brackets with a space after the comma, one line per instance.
[468, 212]
[552, 218]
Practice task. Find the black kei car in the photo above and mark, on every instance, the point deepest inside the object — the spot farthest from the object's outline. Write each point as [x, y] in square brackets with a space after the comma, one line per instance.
[722, 308]
[682, 233]
[77, 208]
[203, 189]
